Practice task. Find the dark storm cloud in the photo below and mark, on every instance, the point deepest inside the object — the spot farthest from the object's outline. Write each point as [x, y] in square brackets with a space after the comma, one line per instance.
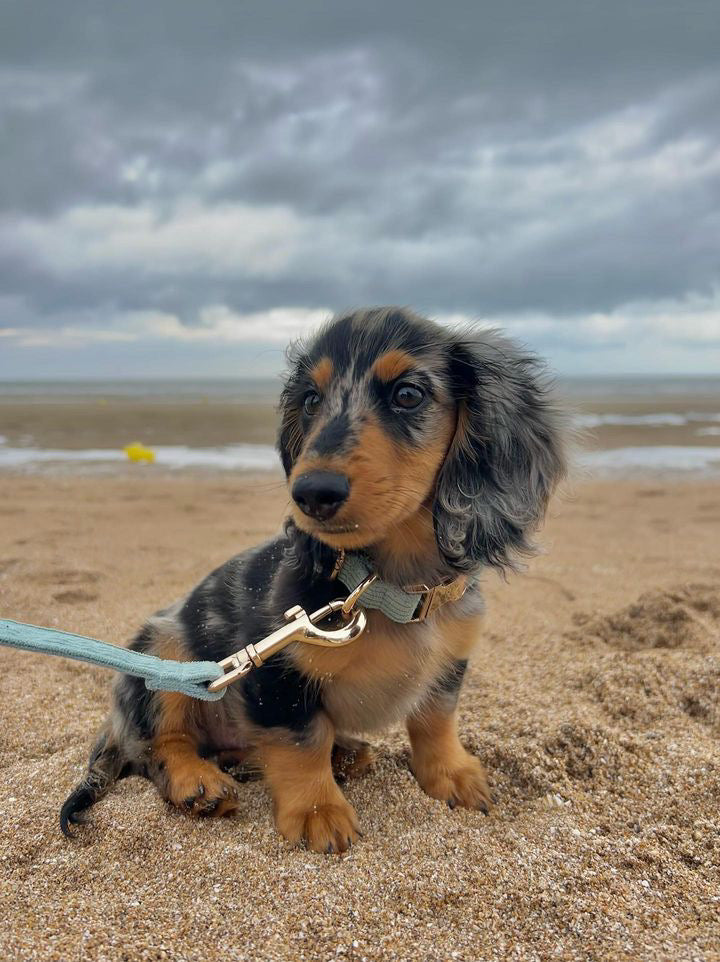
[557, 159]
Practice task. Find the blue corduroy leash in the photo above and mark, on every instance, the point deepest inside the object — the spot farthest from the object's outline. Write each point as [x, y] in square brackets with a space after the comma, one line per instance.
[207, 680]
[187, 677]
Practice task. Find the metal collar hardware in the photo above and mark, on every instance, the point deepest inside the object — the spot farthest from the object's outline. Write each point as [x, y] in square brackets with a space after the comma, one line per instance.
[357, 593]
[452, 589]
[300, 627]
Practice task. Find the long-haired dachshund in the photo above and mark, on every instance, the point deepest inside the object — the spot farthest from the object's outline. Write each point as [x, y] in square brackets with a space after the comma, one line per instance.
[417, 453]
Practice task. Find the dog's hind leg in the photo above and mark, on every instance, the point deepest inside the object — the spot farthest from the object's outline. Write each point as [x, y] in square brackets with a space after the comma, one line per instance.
[105, 767]
[182, 776]
[119, 751]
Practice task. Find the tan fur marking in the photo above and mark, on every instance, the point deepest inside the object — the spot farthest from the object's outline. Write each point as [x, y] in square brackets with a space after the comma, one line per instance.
[459, 635]
[322, 373]
[185, 779]
[174, 713]
[306, 799]
[389, 482]
[443, 768]
[392, 364]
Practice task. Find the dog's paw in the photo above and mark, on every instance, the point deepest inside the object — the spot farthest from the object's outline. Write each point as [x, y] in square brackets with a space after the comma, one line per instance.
[464, 784]
[328, 828]
[200, 788]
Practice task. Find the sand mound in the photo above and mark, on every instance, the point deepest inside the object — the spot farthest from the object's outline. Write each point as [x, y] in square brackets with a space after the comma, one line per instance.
[684, 617]
[669, 671]
[650, 695]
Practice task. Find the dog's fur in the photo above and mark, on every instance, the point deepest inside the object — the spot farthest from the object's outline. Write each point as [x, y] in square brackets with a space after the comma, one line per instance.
[453, 486]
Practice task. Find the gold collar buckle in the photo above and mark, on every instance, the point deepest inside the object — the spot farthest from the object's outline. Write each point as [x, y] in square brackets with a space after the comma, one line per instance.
[451, 589]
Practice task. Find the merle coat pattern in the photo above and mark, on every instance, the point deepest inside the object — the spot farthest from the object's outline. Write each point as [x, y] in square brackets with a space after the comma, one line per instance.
[435, 452]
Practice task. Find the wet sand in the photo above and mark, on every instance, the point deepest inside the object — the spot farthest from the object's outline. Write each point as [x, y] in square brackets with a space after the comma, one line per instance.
[75, 423]
[113, 423]
[592, 699]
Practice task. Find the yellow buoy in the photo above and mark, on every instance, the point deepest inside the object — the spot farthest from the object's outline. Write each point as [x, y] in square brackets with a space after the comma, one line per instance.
[138, 453]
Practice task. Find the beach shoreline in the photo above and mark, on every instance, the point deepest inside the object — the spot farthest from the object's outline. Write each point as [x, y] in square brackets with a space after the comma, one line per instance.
[666, 429]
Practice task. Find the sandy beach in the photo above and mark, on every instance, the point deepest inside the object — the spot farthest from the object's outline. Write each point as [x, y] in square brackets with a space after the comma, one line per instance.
[592, 700]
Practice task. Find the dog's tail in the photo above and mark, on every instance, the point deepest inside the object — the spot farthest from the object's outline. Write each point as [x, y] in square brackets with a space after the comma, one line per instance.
[107, 764]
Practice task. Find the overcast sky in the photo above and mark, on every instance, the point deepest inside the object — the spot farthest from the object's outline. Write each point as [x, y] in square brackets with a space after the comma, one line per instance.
[184, 186]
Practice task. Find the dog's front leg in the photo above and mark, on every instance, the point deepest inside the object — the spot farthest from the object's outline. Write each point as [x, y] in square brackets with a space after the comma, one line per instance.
[443, 768]
[307, 802]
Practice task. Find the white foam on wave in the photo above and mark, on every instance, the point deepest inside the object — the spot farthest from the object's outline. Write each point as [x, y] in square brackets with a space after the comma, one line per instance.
[661, 419]
[614, 462]
[248, 457]
[663, 459]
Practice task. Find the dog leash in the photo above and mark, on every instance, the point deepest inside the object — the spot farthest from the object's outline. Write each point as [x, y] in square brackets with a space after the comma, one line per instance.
[206, 680]
[188, 678]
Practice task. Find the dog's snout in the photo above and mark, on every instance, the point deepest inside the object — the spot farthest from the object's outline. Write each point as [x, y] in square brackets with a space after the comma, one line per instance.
[320, 493]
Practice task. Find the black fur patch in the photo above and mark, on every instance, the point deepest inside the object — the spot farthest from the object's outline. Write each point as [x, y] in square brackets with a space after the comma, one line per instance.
[334, 435]
[277, 696]
[450, 682]
[335, 342]
[134, 701]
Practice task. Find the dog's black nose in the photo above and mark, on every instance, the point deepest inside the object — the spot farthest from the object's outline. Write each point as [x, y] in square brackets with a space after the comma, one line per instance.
[320, 493]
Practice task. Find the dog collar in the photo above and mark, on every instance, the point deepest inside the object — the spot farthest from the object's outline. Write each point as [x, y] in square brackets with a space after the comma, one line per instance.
[412, 603]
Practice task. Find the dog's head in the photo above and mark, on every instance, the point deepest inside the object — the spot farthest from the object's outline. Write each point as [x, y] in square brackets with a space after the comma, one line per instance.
[386, 415]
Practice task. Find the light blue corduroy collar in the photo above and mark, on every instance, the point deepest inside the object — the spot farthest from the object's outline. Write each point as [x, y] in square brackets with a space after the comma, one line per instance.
[403, 605]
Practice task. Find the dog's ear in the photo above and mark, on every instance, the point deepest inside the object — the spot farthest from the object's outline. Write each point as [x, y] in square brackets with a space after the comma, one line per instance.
[505, 459]
[290, 433]
[289, 439]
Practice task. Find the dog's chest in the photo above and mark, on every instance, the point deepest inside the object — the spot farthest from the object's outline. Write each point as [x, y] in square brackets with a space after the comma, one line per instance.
[378, 678]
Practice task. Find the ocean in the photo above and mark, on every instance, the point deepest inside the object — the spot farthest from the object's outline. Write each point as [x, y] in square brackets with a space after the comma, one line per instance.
[630, 426]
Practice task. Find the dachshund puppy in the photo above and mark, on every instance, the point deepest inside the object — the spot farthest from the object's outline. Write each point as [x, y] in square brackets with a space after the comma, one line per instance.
[420, 454]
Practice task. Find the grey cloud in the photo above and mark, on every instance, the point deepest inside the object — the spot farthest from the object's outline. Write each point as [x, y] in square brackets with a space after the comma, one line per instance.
[436, 154]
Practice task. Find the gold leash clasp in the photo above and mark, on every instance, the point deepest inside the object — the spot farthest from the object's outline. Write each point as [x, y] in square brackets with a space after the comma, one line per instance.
[300, 627]
[357, 593]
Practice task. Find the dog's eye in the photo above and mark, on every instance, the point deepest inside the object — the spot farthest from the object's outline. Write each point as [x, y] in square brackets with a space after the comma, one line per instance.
[311, 402]
[407, 396]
